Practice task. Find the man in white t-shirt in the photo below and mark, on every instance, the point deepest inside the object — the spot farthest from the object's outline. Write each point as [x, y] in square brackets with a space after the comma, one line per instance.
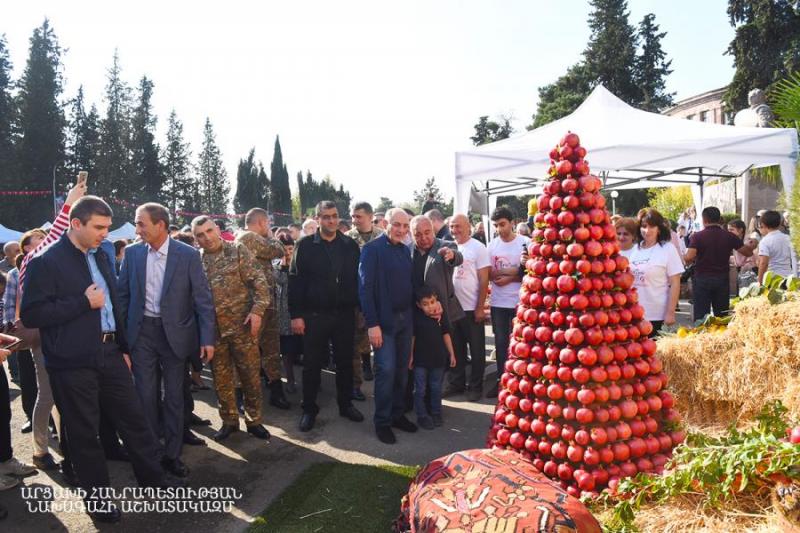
[471, 284]
[775, 252]
[505, 252]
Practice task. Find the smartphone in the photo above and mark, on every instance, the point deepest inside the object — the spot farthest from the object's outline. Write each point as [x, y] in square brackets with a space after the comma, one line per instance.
[12, 347]
[82, 176]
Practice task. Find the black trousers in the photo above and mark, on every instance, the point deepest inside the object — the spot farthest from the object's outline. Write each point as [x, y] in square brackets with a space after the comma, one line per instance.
[80, 392]
[6, 452]
[467, 333]
[27, 381]
[708, 292]
[338, 328]
[188, 401]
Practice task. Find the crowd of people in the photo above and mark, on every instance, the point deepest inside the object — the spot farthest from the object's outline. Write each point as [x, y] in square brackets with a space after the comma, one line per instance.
[113, 336]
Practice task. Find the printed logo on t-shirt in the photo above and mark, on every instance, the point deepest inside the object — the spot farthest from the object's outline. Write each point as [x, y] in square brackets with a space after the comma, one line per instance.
[467, 266]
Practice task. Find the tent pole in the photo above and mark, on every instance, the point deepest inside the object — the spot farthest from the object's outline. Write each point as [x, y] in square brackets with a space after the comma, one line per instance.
[701, 183]
[746, 197]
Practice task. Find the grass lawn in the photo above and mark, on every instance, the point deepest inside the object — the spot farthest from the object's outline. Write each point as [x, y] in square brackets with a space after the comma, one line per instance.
[338, 497]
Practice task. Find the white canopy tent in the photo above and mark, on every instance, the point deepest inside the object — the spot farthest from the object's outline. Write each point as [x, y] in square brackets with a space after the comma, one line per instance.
[8, 235]
[126, 231]
[629, 149]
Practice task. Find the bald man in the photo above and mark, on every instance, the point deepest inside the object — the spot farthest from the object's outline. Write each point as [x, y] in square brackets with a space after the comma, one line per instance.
[10, 251]
[386, 294]
[471, 284]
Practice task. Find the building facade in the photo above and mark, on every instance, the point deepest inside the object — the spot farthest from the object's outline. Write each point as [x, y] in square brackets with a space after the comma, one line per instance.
[704, 107]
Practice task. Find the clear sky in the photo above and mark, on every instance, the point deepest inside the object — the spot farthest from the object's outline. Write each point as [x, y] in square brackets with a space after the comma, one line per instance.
[378, 95]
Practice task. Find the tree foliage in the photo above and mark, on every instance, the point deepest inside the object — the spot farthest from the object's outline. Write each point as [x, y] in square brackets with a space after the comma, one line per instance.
[40, 149]
[280, 195]
[251, 184]
[177, 166]
[83, 136]
[313, 192]
[8, 121]
[488, 131]
[765, 48]
[431, 188]
[651, 67]
[146, 167]
[213, 189]
[671, 201]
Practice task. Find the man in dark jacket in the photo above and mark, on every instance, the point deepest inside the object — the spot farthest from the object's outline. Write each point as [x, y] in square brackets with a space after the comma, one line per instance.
[71, 296]
[323, 295]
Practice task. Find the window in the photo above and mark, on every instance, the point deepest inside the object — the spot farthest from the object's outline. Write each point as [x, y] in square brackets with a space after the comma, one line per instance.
[689, 117]
[703, 116]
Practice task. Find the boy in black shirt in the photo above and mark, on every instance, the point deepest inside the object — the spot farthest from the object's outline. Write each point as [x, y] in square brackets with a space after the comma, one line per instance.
[431, 349]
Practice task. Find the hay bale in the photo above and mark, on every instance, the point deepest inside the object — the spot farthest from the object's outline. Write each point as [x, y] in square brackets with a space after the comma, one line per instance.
[730, 375]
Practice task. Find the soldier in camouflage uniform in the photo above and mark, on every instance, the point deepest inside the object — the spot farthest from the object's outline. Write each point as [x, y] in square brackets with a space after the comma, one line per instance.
[258, 239]
[363, 231]
[240, 298]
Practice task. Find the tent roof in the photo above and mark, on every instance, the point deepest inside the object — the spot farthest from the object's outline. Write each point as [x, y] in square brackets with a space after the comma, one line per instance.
[630, 147]
[7, 234]
[126, 231]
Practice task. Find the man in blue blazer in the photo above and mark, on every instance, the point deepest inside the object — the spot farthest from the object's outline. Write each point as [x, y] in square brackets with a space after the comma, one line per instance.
[169, 313]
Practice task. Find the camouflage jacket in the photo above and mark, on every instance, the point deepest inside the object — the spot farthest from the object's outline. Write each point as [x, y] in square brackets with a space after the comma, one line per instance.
[356, 236]
[238, 285]
[264, 250]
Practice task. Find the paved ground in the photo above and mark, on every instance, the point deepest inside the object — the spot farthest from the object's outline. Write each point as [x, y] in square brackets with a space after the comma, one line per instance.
[259, 471]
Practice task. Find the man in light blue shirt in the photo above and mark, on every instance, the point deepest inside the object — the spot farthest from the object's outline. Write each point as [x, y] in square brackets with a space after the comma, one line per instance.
[107, 324]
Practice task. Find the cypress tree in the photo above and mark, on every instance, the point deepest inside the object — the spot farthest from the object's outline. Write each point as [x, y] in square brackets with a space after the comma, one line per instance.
[262, 186]
[212, 179]
[177, 166]
[113, 176]
[146, 168]
[652, 67]
[280, 195]
[247, 195]
[82, 137]
[41, 122]
[8, 161]
[611, 52]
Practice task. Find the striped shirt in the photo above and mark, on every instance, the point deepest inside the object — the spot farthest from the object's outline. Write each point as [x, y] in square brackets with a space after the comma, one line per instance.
[58, 228]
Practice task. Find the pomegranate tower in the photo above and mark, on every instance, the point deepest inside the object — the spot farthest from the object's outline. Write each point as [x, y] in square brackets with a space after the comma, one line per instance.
[583, 393]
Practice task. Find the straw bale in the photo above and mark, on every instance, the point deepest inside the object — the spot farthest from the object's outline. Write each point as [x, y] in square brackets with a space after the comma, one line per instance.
[730, 375]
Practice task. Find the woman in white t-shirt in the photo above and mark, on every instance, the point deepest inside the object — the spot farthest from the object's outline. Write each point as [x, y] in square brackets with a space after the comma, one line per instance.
[657, 268]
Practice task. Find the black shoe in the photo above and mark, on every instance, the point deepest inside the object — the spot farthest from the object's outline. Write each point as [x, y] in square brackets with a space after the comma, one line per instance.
[385, 435]
[425, 422]
[106, 512]
[68, 474]
[276, 396]
[224, 432]
[27, 427]
[359, 396]
[367, 370]
[195, 420]
[118, 454]
[44, 462]
[175, 467]
[259, 432]
[492, 392]
[3, 512]
[404, 424]
[307, 422]
[474, 395]
[192, 440]
[351, 413]
[166, 482]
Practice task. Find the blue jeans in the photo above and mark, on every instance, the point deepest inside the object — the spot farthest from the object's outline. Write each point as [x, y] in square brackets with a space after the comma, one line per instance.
[391, 370]
[501, 328]
[708, 292]
[428, 379]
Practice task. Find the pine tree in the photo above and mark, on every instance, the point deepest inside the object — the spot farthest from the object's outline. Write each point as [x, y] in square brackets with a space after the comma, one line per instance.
[488, 131]
[212, 178]
[301, 195]
[280, 194]
[247, 195]
[652, 67]
[147, 172]
[82, 137]
[113, 175]
[611, 53]
[384, 204]
[421, 196]
[177, 165]
[563, 96]
[262, 186]
[8, 119]
[766, 47]
[41, 122]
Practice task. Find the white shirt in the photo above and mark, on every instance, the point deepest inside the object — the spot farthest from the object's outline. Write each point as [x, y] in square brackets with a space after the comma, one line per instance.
[154, 278]
[651, 269]
[504, 255]
[465, 276]
[777, 246]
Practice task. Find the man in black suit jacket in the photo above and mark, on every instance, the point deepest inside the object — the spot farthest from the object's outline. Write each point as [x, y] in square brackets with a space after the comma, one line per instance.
[166, 303]
[71, 296]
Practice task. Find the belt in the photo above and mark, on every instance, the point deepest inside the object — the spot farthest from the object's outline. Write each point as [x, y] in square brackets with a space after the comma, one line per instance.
[152, 319]
[108, 337]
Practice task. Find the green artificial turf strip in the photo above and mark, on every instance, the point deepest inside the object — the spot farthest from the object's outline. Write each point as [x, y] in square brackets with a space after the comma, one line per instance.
[338, 497]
